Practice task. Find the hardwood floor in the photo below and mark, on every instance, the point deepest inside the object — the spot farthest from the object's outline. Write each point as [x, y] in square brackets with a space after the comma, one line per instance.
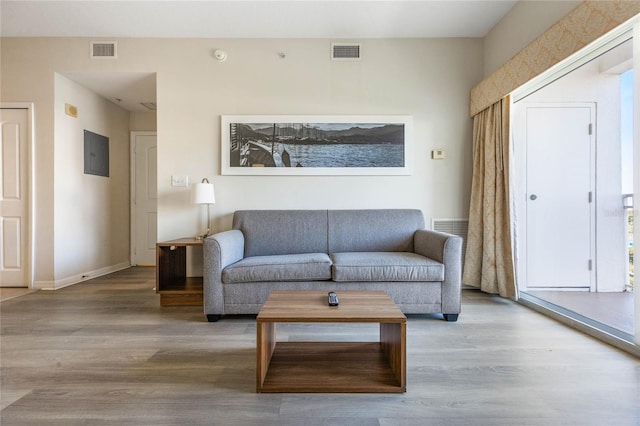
[105, 352]
[7, 293]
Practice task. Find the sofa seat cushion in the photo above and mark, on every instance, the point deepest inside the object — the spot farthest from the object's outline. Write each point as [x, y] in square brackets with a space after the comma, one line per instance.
[385, 266]
[282, 267]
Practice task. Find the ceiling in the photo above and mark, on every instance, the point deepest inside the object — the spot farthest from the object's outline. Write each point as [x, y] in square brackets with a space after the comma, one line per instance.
[332, 19]
[251, 19]
[126, 89]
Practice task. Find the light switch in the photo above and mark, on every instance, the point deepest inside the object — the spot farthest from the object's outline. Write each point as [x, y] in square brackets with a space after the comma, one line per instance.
[438, 154]
[180, 181]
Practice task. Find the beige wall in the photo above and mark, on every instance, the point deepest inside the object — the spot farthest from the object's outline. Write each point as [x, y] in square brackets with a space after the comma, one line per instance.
[524, 22]
[142, 121]
[429, 79]
[20, 81]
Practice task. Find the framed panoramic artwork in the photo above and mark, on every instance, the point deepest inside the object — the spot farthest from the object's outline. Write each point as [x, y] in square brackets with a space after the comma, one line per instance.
[316, 145]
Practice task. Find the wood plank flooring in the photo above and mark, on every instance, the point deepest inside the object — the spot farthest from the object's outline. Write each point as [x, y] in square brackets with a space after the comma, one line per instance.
[105, 352]
[7, 293]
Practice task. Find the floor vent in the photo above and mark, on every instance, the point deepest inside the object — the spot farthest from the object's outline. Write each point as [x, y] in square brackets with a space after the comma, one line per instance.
[104, 49]
[458, 227]
[345, 51]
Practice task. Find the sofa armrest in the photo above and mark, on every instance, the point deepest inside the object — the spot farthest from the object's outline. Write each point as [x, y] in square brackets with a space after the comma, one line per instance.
[220, 250]
[446, 249]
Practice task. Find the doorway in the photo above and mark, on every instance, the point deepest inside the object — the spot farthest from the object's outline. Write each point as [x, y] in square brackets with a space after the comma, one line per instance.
[569, 138]
[144, 198]
[136, 93]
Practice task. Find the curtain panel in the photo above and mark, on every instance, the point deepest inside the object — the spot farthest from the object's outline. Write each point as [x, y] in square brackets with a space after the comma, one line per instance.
[488, 262]
[585, 23]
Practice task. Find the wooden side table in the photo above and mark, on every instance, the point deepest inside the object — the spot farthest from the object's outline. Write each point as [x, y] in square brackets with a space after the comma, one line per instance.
[172, 283]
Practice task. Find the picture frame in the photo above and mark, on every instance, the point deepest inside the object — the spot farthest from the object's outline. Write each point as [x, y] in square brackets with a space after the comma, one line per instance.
[316, 144]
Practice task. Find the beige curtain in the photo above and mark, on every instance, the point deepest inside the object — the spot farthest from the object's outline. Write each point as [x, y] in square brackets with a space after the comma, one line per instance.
[489, 262]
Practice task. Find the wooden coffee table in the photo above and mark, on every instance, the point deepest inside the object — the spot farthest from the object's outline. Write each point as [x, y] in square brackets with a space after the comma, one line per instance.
[331, 366]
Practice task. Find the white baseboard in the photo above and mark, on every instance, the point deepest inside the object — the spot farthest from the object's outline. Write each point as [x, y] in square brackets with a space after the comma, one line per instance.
[43, 285]
[75, 279]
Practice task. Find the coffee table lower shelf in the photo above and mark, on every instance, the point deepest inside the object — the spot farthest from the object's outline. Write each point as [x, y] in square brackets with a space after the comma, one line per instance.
[330, 367]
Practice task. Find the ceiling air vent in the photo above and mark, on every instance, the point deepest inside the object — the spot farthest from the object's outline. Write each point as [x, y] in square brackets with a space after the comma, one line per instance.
[345, 51]
[149, 105]
[104, 49]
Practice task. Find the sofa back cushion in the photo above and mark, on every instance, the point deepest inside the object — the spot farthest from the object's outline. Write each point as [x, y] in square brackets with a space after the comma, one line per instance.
[275, 232]
[373, 230]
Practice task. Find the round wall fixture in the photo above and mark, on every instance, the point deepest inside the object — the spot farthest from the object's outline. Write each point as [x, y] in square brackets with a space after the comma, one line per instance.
[220, 55]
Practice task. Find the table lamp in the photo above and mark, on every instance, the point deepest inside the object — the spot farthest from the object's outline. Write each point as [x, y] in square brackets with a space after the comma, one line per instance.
[202, 193]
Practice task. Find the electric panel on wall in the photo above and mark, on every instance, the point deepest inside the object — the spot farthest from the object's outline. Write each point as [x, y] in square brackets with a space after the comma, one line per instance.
[96, 154]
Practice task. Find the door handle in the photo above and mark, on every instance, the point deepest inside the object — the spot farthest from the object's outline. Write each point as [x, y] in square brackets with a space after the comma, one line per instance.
[533, 197]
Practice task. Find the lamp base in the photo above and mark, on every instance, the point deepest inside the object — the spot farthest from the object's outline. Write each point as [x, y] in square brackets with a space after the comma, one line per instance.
[208, 231]
[203, 236]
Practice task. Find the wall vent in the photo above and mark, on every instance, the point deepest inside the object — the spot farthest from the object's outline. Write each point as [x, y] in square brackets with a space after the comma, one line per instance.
[103, 50]
[459, 227]
[345, 51]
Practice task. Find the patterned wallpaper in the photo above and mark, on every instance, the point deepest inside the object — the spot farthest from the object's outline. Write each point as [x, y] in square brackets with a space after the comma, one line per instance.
[584, 24]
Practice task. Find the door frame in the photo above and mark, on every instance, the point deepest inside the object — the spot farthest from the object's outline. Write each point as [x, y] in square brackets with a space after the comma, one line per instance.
[132, 191]
[519, 189]
[31, 179]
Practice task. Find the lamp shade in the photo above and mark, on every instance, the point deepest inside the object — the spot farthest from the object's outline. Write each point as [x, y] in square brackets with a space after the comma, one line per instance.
[202, 193]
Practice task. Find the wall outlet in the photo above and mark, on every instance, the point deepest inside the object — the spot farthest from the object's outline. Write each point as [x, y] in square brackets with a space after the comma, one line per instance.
[180, 181]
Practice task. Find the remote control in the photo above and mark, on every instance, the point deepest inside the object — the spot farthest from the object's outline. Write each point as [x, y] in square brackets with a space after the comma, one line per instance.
[333, 299]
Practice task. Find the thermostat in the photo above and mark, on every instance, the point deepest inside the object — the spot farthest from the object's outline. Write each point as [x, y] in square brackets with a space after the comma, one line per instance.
[438, 154]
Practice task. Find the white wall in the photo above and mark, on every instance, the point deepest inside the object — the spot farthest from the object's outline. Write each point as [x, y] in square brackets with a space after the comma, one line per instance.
[91, 213]
[524, 23]
[429, 79]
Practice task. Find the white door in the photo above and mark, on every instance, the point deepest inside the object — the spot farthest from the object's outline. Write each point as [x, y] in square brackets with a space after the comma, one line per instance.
[560, 229]
[145, 198]
[14, 198]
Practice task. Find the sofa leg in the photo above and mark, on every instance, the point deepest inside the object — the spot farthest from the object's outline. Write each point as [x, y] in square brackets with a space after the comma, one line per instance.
[213, 318]
[450, 317]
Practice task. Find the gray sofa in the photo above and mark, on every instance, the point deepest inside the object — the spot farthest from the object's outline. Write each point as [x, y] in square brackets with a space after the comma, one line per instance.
[331, 250]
